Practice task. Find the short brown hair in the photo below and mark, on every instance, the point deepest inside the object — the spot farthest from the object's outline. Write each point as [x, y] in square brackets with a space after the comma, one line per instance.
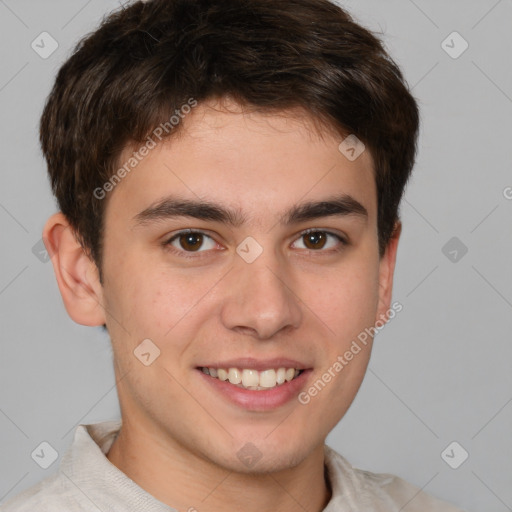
[148, 59]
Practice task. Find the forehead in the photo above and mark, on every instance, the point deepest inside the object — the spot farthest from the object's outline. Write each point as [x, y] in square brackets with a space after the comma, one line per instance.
[252, 161]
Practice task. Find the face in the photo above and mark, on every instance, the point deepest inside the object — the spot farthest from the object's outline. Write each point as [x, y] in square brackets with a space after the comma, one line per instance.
[260, 283]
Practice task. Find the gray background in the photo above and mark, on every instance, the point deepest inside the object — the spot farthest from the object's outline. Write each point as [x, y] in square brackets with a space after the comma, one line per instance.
[440, 371]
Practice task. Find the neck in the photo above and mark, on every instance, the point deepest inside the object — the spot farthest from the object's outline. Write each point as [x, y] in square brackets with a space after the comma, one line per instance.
[185, 481]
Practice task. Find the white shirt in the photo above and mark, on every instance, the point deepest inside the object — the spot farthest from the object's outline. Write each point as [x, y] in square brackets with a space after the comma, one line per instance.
[87, 481]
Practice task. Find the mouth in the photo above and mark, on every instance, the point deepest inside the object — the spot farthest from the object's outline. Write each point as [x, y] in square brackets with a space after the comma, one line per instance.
[255, 385]
[251, 379]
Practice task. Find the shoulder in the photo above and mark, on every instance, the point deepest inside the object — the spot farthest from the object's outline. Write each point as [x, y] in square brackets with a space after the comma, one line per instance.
[402, 494]
[364, 490]
[52, 494]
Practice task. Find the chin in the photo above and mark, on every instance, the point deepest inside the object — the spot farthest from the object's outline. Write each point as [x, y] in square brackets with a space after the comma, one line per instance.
[263, 456]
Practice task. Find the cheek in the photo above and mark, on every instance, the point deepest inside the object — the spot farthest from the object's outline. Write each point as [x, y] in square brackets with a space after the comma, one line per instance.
[157, 302]
[345, 299]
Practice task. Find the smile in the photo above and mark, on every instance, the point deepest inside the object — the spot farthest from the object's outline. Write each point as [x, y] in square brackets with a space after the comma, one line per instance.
[254, 380]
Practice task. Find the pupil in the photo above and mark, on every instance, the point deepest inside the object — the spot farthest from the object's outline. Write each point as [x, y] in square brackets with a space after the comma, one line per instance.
[189, 240]
[193, 241]
[315, 238]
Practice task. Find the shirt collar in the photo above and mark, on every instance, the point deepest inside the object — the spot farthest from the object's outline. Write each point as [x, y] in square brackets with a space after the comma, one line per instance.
[85, 464]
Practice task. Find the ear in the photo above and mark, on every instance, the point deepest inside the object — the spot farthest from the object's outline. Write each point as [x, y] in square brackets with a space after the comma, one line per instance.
[386, 273]
[77, 275]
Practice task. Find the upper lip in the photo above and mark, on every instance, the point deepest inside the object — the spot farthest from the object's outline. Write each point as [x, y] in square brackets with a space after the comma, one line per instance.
[257, 364]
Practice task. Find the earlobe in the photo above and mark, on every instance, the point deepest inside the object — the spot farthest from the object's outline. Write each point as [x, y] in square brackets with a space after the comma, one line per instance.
[386, 273]
[77, 275]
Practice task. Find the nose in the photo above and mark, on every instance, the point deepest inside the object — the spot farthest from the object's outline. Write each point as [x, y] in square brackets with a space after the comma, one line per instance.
[259, 298]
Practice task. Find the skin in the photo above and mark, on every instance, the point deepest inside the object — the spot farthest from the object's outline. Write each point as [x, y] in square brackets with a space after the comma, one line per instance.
[180, 438]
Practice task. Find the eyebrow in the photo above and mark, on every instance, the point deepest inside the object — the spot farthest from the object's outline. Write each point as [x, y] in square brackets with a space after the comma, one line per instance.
[341, 206]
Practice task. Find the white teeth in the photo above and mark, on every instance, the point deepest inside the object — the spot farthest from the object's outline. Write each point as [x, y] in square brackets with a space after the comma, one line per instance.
[253, 379]
[290, 373]
[268, 379]
[222, 374]
[234, 376]
[250, 378]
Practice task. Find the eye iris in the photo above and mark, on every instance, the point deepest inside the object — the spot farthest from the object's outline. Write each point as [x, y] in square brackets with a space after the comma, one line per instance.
[191, 241]
[314, 238]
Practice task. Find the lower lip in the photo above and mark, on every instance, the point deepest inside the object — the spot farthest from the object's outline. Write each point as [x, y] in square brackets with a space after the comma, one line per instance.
[258, 400]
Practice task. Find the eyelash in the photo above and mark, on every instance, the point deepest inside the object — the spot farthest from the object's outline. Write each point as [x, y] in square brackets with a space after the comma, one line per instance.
[197, 254]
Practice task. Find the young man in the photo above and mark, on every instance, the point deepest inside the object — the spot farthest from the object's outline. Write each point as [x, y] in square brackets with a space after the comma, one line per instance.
[229, 174]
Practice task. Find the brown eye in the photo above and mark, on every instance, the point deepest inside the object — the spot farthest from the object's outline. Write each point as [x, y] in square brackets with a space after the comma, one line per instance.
[190, 241]
[321, 241]
[315, 240]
